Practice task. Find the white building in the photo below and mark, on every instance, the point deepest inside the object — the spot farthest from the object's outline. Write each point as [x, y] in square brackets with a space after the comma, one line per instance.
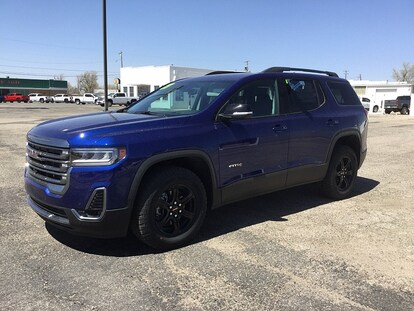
[379, 91]
[136, 81]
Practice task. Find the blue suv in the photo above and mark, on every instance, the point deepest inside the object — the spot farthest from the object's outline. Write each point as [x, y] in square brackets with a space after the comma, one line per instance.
[157, 166]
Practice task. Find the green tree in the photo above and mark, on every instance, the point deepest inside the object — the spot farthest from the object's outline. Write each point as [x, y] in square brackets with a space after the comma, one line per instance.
[88, 82]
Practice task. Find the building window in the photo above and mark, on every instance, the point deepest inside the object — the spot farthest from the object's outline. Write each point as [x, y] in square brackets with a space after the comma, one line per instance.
[125, 89]
[131, 91]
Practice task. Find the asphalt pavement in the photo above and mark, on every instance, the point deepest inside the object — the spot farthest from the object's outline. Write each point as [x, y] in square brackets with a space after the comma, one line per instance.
[291, 250]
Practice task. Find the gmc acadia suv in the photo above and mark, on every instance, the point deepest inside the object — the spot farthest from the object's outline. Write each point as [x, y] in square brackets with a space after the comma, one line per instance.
[157, 166]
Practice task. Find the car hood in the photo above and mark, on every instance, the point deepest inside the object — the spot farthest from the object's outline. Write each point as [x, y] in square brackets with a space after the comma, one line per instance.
[97, 124]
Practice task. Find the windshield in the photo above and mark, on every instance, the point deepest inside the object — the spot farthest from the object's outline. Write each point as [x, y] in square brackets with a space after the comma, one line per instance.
[180, 97]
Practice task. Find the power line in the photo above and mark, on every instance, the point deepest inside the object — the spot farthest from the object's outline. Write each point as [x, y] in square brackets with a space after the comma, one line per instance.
[55, 63]
[48, 75]
[45, 44]
[27, 67]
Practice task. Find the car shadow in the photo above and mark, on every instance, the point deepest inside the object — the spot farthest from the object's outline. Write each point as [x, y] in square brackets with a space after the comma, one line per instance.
[272, 207]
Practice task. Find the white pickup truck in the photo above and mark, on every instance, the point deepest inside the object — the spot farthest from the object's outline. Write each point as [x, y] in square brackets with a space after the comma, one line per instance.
[87, 98]
[119, 99]
[37, 97]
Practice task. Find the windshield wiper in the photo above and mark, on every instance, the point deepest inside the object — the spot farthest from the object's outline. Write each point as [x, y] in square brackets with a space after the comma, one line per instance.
[149, 113]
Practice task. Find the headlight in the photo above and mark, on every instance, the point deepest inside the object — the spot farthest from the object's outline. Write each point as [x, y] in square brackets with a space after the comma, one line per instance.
[96, 157]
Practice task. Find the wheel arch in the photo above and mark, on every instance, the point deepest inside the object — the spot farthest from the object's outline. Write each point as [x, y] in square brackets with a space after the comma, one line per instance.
[350, 138]
[194, 160]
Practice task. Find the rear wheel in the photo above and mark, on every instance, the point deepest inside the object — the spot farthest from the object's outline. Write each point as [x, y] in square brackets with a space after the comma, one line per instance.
[77, 101]
[404, 110]
[375, 109]
[170, 208]
[341, 175]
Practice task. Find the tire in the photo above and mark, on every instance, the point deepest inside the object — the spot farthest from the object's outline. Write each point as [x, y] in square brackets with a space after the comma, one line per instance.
[375, 109]
[170, 208]
[42, 100]
[19, 101]
[109, 103]
[404, 110]
[77, 101]
[342, 172]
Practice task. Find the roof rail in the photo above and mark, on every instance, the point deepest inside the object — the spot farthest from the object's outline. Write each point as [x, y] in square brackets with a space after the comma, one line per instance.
[219, 72]
[283, 69]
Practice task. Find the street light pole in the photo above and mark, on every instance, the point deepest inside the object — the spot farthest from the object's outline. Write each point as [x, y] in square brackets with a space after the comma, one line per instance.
[122, 61]
[105, 61]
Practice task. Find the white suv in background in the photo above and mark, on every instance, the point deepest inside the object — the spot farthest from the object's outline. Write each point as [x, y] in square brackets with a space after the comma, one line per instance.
[368, 104]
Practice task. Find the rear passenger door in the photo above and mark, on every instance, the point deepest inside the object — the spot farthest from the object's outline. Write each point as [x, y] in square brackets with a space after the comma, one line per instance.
[312, 125]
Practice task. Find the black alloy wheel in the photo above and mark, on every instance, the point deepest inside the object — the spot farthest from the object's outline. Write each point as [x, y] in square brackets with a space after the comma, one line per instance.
[170, 208]
[175, 211]
[342, 172]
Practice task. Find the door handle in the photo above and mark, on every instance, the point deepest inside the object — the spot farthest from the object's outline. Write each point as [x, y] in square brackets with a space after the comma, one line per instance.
[331, 122]
[280, 128]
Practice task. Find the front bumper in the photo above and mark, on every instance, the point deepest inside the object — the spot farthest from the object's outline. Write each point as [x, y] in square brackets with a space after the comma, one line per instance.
[110, 224]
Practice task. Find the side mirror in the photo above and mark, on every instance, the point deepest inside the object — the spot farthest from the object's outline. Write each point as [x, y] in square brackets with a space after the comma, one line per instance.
[237, 111]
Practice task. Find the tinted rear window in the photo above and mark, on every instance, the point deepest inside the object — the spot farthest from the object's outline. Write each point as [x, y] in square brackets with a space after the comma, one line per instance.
[344, 93]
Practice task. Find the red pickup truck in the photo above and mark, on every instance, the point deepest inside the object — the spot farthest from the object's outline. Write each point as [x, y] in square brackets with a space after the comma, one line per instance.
[16, 97]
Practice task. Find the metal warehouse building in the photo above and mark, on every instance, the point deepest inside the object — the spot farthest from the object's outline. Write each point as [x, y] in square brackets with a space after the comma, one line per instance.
[26, 86]
[137, 81]
[380, 91]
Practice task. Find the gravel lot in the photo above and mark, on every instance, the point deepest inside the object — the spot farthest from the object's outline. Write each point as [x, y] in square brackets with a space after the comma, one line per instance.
[291, 250]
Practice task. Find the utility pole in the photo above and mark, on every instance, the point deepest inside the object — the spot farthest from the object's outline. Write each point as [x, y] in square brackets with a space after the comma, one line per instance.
[346, 74]
[246, 67]
[122, 61]
[105, 60]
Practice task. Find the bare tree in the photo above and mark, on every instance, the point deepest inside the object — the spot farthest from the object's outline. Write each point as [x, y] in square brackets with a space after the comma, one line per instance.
[405, 74]
[72, 89]
[88, 81]
[59, 77]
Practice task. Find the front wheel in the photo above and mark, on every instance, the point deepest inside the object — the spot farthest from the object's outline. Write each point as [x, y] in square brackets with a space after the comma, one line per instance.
[340, 178]
[77, 101]
[404, 110]
[170, 208]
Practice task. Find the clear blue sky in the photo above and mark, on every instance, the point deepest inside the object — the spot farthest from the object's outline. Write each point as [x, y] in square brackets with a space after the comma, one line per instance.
[40, 38]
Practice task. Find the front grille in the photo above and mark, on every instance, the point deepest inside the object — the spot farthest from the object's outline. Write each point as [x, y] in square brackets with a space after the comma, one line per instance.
[48, 164]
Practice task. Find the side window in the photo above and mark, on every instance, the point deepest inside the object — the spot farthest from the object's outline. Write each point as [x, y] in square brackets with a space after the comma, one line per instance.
[260, 96]
[344, 94]
[304, 95]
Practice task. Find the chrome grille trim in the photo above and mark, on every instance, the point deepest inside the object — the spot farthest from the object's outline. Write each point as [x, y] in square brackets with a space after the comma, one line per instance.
[47, 164]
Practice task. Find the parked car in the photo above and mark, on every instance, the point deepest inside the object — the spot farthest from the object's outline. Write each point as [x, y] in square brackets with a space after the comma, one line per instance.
[118, 99]
[50, 99]
[99, 98]
[12, 97]
[62, 98]
[368, 104]
[87, 98]
[37, 97]
[157, 166]
[401, 104]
